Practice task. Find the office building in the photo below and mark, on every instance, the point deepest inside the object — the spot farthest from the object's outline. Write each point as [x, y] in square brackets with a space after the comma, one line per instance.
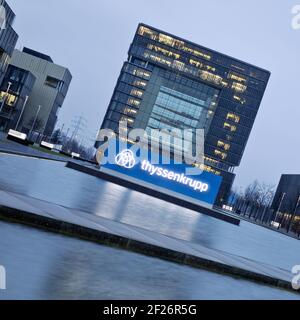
[8, 40]
[15, 90]
[47, 95]
[286, 202]
[171, 83]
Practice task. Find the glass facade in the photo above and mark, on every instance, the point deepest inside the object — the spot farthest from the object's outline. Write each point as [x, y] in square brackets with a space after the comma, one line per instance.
[168, 82]
[20, 83]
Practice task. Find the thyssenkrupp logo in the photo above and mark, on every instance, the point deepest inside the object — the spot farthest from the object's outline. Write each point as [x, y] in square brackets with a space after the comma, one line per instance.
[125, 159]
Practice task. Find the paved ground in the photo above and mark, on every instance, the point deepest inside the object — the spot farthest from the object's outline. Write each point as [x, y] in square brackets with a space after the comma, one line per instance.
[11, 147]
[17, 148]
[137, 239]
[132, 237]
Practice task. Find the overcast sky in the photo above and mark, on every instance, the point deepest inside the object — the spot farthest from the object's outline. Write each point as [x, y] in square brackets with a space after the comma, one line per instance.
[92, 38]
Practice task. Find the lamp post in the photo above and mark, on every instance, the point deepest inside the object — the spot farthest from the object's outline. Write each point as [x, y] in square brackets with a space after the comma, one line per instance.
[6, 93]
[23, 108]
[279, 207]
[35, 119]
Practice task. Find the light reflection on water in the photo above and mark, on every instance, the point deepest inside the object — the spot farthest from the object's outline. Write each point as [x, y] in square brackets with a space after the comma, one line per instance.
[51, 181]
[43, 265]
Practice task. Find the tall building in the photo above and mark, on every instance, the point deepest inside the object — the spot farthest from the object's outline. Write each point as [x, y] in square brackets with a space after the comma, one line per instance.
[8, 40]
[171, 83]
[286, 202]
[49, 91]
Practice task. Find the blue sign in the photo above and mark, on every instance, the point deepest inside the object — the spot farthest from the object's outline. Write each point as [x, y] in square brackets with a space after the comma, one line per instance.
[203, 187]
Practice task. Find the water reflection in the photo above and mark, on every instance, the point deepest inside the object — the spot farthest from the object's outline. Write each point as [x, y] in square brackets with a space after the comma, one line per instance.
[42, 265]
[51, 181]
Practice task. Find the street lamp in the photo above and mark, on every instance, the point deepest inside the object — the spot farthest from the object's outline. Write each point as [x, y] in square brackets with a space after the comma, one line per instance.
[23, 108]
[6, 94]
[279, 207]
[35, 119]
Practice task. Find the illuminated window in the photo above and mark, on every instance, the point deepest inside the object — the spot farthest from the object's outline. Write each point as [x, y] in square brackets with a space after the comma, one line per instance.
[141, 73]
[239, 99]
[199, 64]
[158, 58]
[146, 31]
[137, 93]
[201, 54]
[222, 144]
[127, 119]
[196, 53]
[134, 102]
[130, 111]
[233, 117]
[221, 154]
[178, 65]
[224, 83]
[195, 63]
[178, 43]
[210, 77]
[229, 126]
[237, 77]
[140, 83]
[163, 51]
[207, 168]
[166, 39]
[238, 87]
[10, 99]
[208, 67]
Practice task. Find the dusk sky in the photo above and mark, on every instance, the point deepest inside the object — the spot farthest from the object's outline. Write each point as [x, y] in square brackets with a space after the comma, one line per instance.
[92, 38]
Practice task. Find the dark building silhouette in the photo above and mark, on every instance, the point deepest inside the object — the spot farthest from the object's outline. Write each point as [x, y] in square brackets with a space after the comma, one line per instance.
[286, 202]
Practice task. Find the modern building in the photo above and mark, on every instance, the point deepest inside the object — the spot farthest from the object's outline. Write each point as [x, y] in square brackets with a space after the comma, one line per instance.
[171, 83]
[48, 93]
[286, 203]
[8, 40]
[15, 90]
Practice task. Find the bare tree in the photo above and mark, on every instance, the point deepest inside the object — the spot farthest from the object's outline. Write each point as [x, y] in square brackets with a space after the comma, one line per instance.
[252, 195]
[266, 194]
[257, 196]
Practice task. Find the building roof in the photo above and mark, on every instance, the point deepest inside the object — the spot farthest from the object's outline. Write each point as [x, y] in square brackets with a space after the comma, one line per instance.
[38, 54]
[205, 48]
